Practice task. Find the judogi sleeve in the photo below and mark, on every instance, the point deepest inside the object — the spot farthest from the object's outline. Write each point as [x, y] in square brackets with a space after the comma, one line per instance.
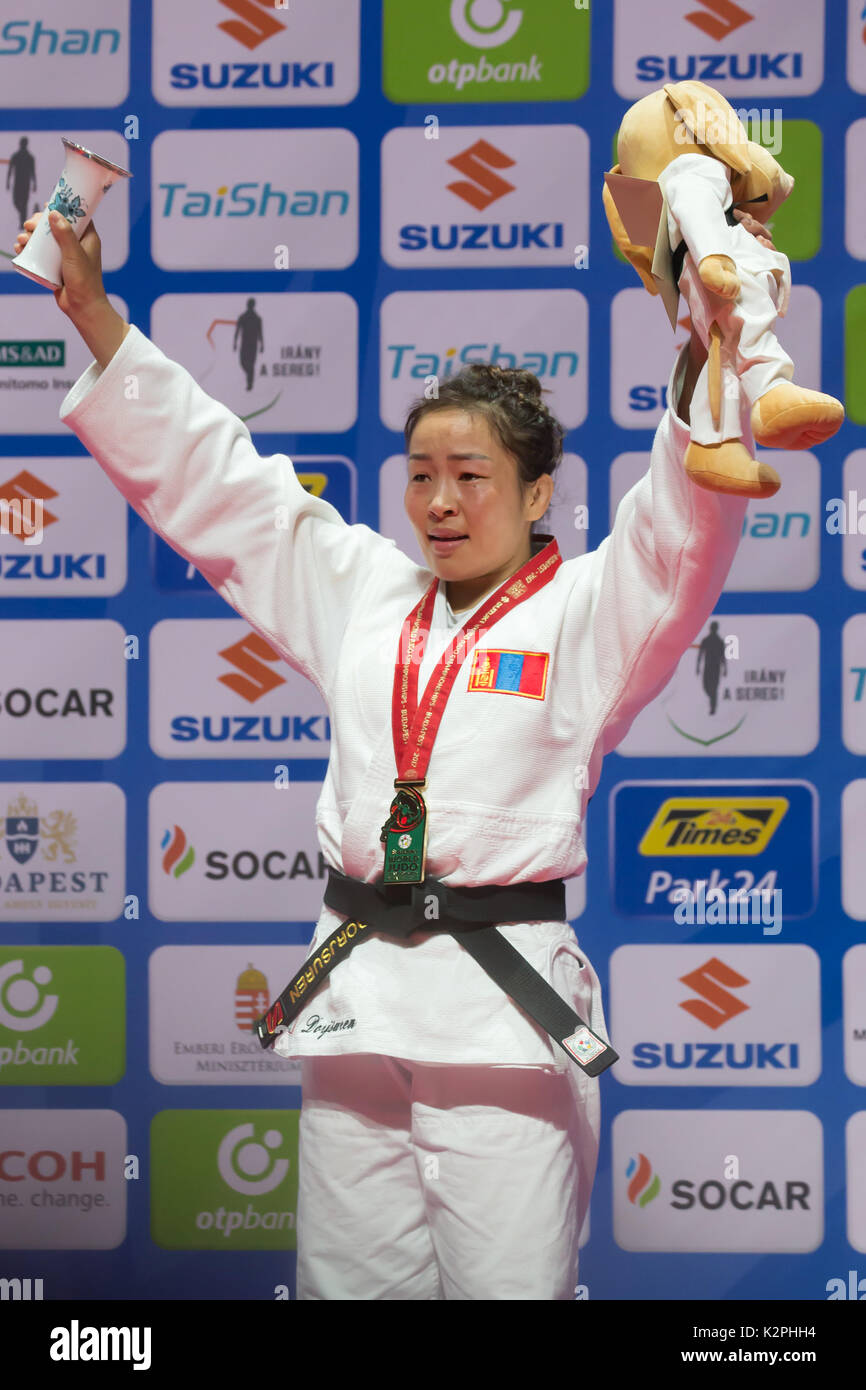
[285, 560]
[653, 582]
[698, 191]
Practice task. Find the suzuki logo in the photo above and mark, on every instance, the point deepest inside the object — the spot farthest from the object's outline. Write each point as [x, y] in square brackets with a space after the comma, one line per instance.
[26, 487]
[257, 679]
[477, 164]
[260, 25]
[707, 980]
[728, 18]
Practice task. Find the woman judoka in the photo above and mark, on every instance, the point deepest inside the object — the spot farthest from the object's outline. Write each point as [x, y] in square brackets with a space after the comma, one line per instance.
[448, 1144]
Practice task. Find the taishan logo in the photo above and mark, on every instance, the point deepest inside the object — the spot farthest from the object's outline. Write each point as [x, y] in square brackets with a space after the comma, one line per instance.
[257, 21]
[714, 825]
[723, 20]
[480, 186]
[717, 1005]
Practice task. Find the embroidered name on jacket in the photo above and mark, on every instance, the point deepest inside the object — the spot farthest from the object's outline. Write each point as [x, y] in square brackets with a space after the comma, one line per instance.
[509, 672]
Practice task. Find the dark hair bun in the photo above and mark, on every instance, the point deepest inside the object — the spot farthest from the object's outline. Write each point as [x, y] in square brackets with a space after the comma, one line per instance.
[511, 379]
[512, 399]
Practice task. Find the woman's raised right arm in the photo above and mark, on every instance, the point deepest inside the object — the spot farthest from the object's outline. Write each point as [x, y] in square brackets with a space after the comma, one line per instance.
[284, 559]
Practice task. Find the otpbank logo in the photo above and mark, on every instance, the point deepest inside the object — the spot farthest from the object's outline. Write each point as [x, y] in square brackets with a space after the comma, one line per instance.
[255, 52]
[79, 46]
[486, 50]
[224, 1179]
[735, 48]
[62, 1016]
[485, 199]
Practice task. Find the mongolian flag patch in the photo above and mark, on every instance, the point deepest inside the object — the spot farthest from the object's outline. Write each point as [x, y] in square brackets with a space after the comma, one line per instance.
[509, 672]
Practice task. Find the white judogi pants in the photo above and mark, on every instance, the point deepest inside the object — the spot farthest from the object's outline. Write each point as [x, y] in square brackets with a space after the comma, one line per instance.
[421, 1181]
[753, 359]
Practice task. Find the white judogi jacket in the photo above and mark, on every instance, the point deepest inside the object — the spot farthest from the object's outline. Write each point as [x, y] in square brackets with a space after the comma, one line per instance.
[698, 194]
[504, 786]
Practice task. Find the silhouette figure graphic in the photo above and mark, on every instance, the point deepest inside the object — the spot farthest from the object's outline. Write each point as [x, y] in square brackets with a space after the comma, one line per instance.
[249, 326]
[21, 173]
[712, 653]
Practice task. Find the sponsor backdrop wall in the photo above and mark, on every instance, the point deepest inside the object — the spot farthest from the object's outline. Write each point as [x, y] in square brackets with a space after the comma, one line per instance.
[332, 203]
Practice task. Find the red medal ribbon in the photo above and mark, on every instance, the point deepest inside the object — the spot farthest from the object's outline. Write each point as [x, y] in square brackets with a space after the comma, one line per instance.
[414, 725]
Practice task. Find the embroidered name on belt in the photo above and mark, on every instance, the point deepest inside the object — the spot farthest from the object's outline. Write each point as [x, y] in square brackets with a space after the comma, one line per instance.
[509, 672]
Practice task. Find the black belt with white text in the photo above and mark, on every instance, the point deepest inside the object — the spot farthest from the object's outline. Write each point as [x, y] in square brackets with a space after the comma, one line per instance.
[471, 915]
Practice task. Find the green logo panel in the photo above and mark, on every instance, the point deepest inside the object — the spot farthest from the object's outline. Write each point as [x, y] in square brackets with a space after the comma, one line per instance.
[798, 146]
[224, 1179]
[485, 50]
[855, 355]
[62, 1015]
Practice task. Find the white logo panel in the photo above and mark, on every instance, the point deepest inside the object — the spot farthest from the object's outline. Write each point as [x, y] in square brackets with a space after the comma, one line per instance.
[204, 1001]
[781, 539]
[643, 349]
[235, 851]
[34, 161]
[433, 334]
[718, 1180]
[41, 357]
[282, 362]
[853, 861]
[716, 1015]
[219, 690]
[62, 852]
[746, 686]
[231, 199]
[61, 1179]
[854, 1013]
[483, 195]
[62, 530]
[849, 519]
[741, 50]
[855, 194]
[854, 683]
[855, 1180]
[63, 692]
[306, 54]
[856, 46]
[68, 50]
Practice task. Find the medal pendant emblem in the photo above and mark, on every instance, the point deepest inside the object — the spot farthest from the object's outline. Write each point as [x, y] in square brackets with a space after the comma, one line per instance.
[404, 835]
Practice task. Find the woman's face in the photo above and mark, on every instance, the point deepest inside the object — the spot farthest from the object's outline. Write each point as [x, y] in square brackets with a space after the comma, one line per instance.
[463, 483]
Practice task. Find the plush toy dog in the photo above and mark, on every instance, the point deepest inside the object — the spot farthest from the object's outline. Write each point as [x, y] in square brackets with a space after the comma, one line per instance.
[692, 152]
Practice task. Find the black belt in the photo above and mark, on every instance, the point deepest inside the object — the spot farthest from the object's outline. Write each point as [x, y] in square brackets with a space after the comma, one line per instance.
[681, 251]
[470, 915]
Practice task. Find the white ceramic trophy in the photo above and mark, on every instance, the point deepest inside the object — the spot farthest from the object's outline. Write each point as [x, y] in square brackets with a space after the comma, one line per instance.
[77, 193]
